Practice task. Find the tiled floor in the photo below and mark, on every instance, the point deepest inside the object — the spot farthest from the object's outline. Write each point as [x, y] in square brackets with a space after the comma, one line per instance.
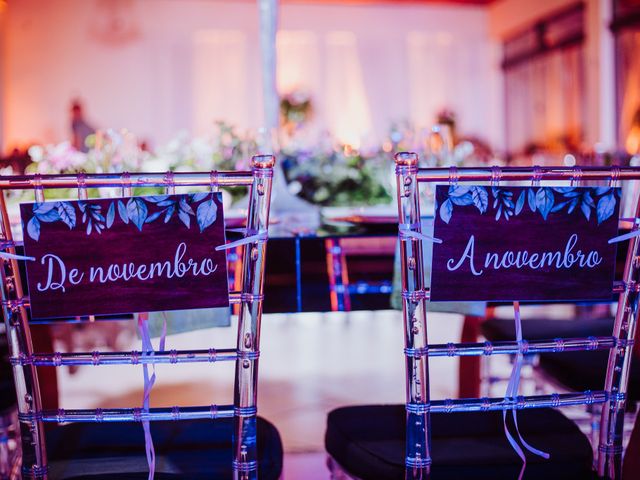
[309, 364]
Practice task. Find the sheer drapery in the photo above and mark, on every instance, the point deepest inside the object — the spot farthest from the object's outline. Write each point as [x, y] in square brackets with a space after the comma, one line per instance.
[628, 62]
[544, 98]
[544, 69]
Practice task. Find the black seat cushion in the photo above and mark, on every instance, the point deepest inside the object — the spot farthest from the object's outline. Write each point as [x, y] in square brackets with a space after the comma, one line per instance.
[503, 329]
[197, 449]
[369, 443]
[581, 371]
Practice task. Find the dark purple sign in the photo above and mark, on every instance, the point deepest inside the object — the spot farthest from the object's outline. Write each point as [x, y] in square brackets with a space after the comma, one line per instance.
[123, 255]
[524, 243]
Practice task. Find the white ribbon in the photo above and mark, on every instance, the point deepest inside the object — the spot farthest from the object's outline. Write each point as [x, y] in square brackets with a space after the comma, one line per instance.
[13, 256]
[626, 236]
[405, 231]
[512, 392]
[256, 237]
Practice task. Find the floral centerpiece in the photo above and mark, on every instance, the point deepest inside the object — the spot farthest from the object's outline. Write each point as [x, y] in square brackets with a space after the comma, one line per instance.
[340, 176]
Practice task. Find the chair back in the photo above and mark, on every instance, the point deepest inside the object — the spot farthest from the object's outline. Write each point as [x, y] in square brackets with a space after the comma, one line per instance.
[248, 299]
[415, 297]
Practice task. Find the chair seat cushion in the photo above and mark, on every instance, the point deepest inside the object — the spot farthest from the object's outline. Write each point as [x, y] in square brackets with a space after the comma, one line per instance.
[195, 449]
[369, 443]
[581, 371]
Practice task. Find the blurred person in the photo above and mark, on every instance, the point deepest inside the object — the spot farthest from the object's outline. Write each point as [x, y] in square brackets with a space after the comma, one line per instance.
[80, 129]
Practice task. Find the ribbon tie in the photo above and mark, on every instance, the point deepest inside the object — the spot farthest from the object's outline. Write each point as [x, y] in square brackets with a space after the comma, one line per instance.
[147, 347]
[512, 392]
[626, 236]
[405, 231]
[250, 237]
[13, 256]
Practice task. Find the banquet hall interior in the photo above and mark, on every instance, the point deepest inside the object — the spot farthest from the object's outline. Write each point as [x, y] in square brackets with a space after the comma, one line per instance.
[334, 90]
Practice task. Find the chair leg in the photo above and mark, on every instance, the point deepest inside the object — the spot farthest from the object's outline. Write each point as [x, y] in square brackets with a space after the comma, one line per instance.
[469, 371]
[338, 276]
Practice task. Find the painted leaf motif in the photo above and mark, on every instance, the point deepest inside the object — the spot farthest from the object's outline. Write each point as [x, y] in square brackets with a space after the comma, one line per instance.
[559, 206]
[67, 214]
[563, 190]
[573, 204]
[572, 193]
[458, 191]
[544, 201]
[111, 214]
[154, 216]
[157, 198]
[137, 211]
[33, 228]
[508, 202]
[601, 190]
[51, 215]
[531, 198]
[465, 199]
[480, 198]
[446, 210]
[184, 206]
[122, 211]
[586, 198]
[43, 208]
[198, 197]
[606, 206]
[169, 213]
[166, 203]
[586, 210]
[184, 218]
[89, 228]
[520, 203]
[206, 214]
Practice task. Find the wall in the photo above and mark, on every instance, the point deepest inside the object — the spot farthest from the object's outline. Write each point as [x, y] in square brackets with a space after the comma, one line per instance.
[160, 66]
[3, 9]
[506, 17]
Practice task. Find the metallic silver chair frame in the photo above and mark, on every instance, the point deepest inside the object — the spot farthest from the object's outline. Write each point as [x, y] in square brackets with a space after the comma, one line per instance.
[418, 350]
[245, 355]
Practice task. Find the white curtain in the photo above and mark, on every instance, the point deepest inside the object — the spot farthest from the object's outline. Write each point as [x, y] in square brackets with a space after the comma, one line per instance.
[219, 82]
[628, 52]
[545, 102]
[348, 110]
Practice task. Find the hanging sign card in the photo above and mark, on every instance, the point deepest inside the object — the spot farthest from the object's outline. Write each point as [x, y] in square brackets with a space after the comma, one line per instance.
[524, 243]
[138, 254]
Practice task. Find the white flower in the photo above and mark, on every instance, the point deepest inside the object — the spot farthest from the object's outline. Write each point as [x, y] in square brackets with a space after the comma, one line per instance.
[36, 152]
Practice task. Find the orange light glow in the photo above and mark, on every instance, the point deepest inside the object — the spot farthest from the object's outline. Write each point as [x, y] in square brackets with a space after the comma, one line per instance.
[633, 140]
